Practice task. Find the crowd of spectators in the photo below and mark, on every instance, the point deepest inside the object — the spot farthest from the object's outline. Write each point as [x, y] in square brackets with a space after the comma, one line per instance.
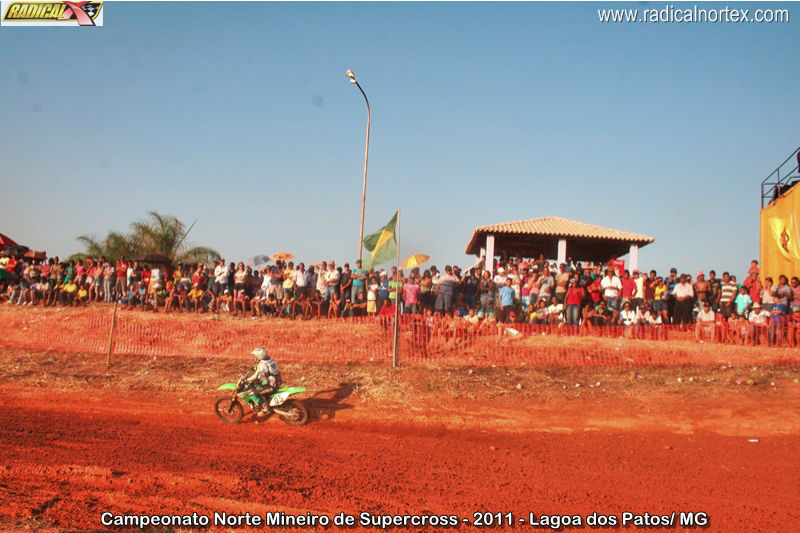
[569, 296]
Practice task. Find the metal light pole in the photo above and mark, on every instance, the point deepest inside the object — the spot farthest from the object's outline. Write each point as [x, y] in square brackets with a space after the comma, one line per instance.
[352, 78]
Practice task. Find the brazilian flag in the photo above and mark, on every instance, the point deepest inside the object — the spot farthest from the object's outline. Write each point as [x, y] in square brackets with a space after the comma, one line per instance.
[382, 245]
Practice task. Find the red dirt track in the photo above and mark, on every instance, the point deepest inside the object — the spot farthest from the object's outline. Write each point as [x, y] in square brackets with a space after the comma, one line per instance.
[67, 456]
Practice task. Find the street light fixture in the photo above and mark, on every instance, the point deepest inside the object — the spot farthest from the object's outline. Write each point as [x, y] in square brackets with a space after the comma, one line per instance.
[352, 77]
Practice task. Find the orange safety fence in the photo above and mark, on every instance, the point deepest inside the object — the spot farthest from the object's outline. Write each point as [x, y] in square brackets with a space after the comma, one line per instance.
[366, 339]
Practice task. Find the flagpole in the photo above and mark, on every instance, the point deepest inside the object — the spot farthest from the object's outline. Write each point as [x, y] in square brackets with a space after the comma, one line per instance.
[396, 292]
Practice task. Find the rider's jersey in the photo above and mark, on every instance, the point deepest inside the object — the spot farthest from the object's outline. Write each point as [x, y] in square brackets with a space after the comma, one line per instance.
[264, 370]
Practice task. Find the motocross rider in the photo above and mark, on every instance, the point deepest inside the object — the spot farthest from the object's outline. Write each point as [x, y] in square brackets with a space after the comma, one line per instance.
[265, 377]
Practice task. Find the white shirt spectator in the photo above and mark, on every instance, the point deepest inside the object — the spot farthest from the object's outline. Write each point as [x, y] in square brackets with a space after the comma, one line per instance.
[758, 317]
[683, 290]
[611, 286]
[704, 316]
[331, 276]
[435, 280]
[639, 287]
[628, 317]
[300, 278]
[321, 285]
[555, 309]
[221, 275]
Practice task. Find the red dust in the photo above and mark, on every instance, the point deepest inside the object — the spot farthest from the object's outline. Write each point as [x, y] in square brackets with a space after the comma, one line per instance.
[74, 446]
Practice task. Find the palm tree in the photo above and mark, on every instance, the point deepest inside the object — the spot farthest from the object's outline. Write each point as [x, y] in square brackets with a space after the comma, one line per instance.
[113, 246]
[165, 234]
[156, 234]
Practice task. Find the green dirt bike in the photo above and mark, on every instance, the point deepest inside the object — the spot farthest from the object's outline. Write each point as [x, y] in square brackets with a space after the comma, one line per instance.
[229, 409]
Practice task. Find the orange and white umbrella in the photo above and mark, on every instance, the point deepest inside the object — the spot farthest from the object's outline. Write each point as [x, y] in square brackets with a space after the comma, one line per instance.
[281, 256]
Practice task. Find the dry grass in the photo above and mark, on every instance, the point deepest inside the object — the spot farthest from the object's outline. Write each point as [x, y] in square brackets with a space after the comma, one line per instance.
[379, 383]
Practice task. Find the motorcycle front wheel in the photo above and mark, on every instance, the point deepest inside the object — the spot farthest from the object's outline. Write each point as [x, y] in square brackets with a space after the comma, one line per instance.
[298, 414]
[229, 410]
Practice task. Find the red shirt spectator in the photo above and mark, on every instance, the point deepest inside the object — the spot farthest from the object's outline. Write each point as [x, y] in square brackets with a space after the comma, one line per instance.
[596, 290]
[628, 285]
[122, 269]
[198, 279]
[754, 287]
[574, 295]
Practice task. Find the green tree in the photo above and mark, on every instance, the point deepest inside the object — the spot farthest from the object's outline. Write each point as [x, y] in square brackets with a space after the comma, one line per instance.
[155, 234]
[115, 245]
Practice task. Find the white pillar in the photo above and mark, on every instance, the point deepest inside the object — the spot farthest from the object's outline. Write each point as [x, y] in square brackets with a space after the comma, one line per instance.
[634, 258]
[562, 251]
[490, 253]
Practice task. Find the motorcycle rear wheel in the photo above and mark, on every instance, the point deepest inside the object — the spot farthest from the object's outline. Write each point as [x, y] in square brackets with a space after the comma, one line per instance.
[299, 413]
[229, 410]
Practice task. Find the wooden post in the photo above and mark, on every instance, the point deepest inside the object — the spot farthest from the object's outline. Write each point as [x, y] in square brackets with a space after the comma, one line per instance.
[490, 253]
[111, 335]
[396, 295]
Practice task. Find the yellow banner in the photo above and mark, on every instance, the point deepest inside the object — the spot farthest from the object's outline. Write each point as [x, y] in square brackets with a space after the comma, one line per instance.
[784, 231]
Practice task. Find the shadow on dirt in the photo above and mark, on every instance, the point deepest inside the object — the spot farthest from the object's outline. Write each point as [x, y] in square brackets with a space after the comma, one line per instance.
[322, 406]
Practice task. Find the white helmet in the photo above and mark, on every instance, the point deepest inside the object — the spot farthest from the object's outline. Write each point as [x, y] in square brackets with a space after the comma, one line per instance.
[261, 354]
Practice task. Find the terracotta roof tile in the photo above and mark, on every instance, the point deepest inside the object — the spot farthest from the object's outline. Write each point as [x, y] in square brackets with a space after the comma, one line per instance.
[578, 234]
[563, 227]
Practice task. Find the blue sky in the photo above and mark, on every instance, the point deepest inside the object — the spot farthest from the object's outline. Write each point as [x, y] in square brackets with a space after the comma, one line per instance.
[239, 116]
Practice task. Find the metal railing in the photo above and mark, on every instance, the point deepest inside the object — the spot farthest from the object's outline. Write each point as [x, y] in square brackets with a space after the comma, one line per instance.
[777, 182]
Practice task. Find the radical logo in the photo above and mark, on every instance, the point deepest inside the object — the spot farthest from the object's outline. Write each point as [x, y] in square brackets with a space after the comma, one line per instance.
[37, 13]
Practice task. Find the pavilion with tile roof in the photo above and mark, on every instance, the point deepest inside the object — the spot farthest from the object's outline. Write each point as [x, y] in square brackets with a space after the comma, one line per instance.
[556, 237]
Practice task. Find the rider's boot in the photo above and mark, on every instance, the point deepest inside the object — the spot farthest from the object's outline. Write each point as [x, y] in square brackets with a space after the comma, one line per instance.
[262, 409]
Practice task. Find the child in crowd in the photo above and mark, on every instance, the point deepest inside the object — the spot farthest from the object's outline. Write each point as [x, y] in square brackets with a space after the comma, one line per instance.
[334, 305]
[347, 309]
[256, 303]
[271, 308]
[360, 305]
[224, 303]
[241, 301]
[69, 290]
[372, 296]
[83, 295]
[287, 305]
[301, 307]
[754, 269]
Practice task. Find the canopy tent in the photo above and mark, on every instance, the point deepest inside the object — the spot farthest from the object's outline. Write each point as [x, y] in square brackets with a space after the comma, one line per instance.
[556, 237]
[6, 241]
